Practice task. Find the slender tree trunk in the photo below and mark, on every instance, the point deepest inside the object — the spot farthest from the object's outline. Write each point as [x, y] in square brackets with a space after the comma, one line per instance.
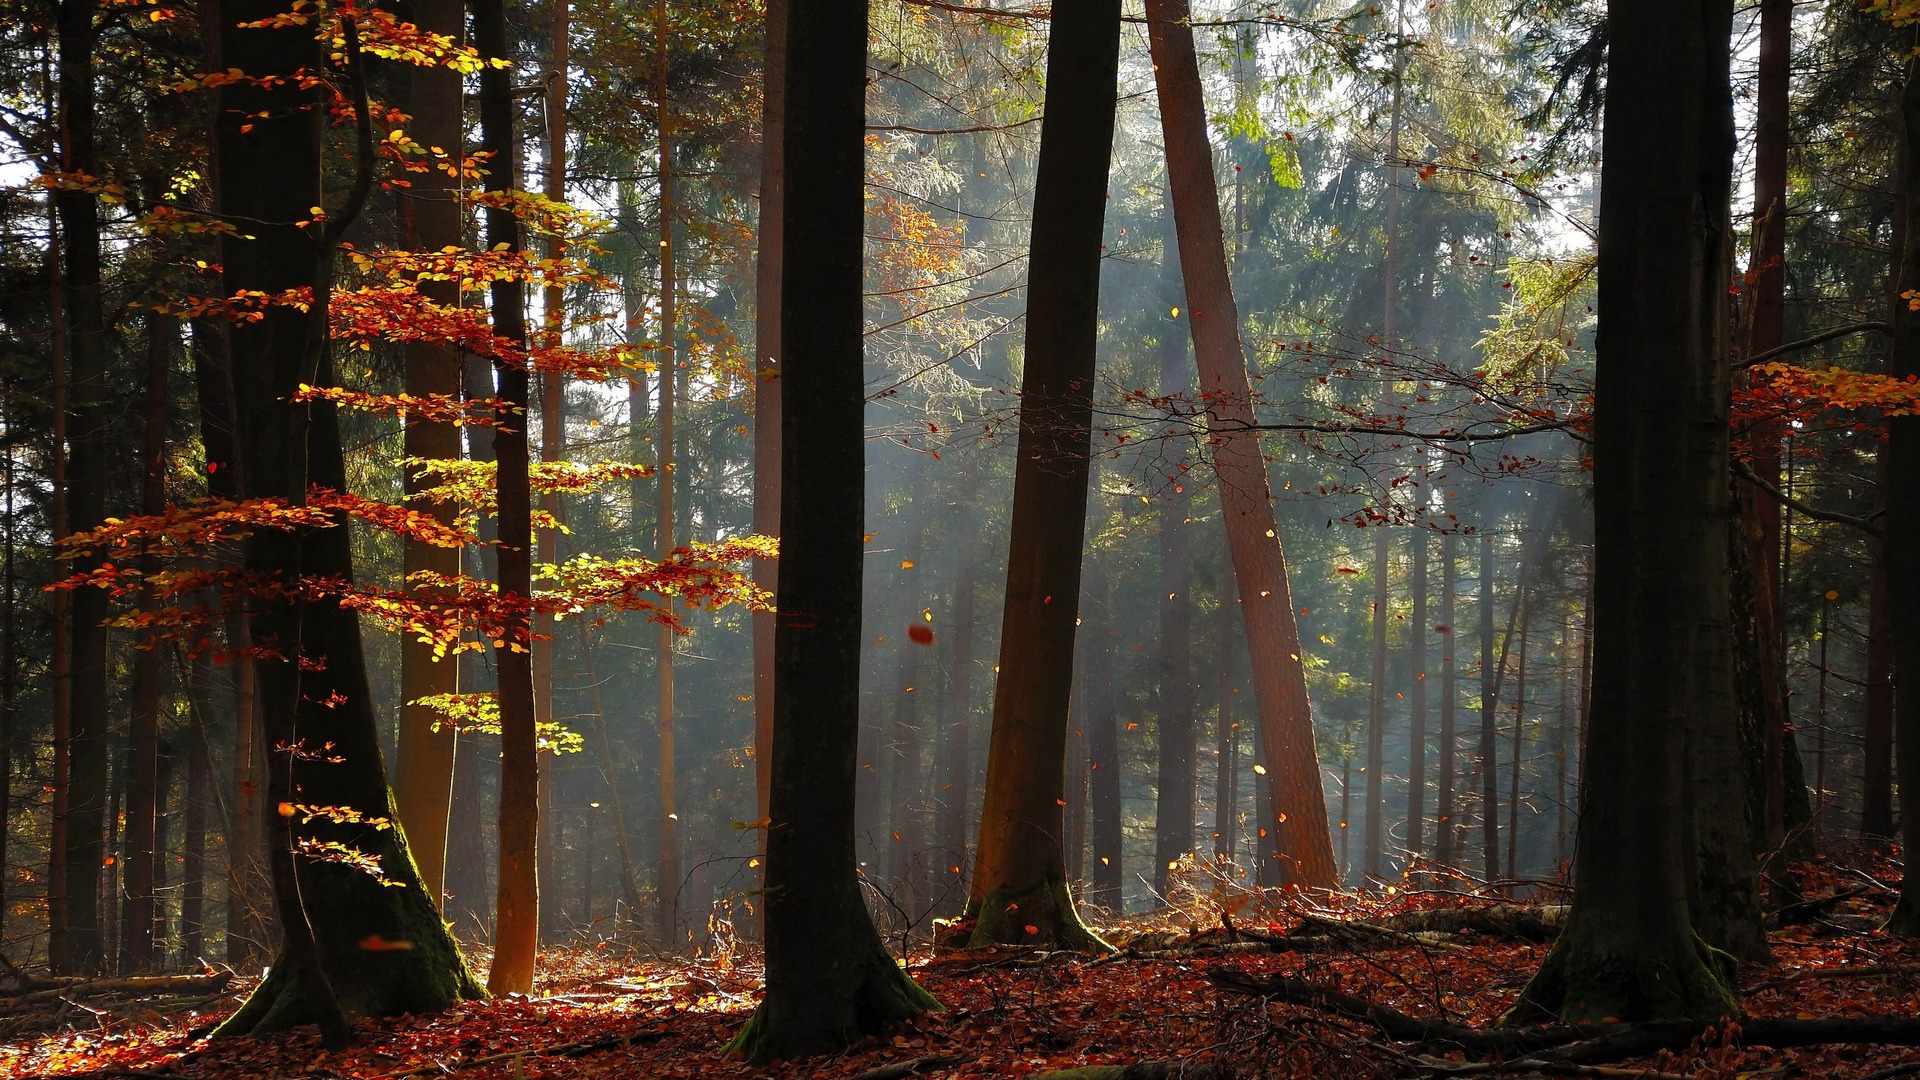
[1490, 714]
[956, 777]
[553, 447]
[1173, 809]
[1876, 817]
[59, 830]
[193, 866]
[430, 216]
[1900, 535]
[1273, 638]
[1562, 744]
[86, 489]
[906, 851]
[766, 383]
[668, 354]
[829, 980]
[610, 774]
[1020, 893]
[144, 850]
[1226, 784]
[1443, 848]
[9, 659]
[1663, 508]
[1417, 701]
[1377, 707]
[1103, 751]
[1519, 744]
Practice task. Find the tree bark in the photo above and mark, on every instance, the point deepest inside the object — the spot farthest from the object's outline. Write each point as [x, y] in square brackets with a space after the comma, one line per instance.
[1417, 701]
[1226, 784]
[1443, 849]
[766, 383]
[1490, 672]
[1173, 808]
[1103, 752]
[1663, 510]
[668, 353]
[1377, 707]
[1900, 530]
[516, 927]
[1020, 893]
[1876, 815]
[430, 216]
[1260, 571]
[829, 980]
[553, 449]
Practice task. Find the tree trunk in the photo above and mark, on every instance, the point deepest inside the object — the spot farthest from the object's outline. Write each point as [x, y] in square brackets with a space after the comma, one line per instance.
[1662, 506]
[1103, 751]
[516, 925]
[319, 719]
[1226, 784]
[829, 980]
[1519, 744]
[1260, 570]
[144, 794]
[1490, 672]
[907, 840]
[1443, 849]
[610, 774]
[1876, 816]
[1173, 809]
[956, 774]
[193, 875]
[1417, 701]
[1900, 535]
[668, 354]
[87, 480]
[766, 384]
[1377, 706]
[1020, 893]
[430, 216]
[59, 831]
[9, 659]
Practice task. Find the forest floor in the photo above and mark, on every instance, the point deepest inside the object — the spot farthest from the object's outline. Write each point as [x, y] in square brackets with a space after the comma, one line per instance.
[1018, 1012]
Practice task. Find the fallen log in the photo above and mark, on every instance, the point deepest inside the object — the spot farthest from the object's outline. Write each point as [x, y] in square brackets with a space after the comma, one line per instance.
[1147, 1070]
[1579, 1044]
[1533, 922]
[901, 1069]
[135, 985]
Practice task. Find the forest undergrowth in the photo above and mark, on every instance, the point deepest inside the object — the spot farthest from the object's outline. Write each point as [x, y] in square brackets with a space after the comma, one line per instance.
[1175, 997]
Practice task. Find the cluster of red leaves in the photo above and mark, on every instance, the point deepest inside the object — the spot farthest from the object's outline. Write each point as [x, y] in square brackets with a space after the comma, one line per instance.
[1014, 1012]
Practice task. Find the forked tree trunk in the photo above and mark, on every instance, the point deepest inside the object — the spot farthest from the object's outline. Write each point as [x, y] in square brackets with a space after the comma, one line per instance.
[1020, 893]
[1663, 509]
[829, 980]
[320, 719]
[430, 215]
[1299, 819]
[516, 925]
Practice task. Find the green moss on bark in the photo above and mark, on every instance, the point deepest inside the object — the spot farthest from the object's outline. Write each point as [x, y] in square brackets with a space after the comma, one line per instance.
[802, 1021]
[1041, 915]
[1590, 979]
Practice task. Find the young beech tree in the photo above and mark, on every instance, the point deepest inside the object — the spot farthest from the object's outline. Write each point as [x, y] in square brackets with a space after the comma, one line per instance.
[829, 978]
[351, 940]
[1020, 893]
[1663, 509]
[1299, 820]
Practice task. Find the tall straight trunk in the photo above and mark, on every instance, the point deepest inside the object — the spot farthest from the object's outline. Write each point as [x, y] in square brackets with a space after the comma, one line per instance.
[1273, 637]
[907, 840]
[1563, 740]
[955, 784]
[1076, 783]
[1173, 809]
[59, 829]
[1519, 743]
[1377, 706]
[766, 383]
[1876, 814]
[1759, 511]
[610, 775]
[1020, 893]
[87, 477]
[1490, 672]
[829, 980]
[668, 353]
[193, 841]
[1226, 784]
[430, 217]
[470, 869]
[144, 850]
[9, 658]
[1103, 751]
[1663, 511]
[553, 444]
[1900, 535]
[1417, 700]
[516, 925]
[318, 695]
[1443, 848]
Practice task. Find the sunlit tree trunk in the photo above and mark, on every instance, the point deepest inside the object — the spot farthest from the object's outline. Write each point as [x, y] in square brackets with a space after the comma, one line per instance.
[829, 980]
[1663, 511]
[1020, 892]
[430, 217]
[1299, 818]
[516, 925]
[193, 867]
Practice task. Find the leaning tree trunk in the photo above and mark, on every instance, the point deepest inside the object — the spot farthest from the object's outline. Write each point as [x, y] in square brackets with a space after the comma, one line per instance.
[829, 979]
[351, 941]
[430, 217]
[1020, 893]
[1661, 500]
[1900, 537]
[1299, 819]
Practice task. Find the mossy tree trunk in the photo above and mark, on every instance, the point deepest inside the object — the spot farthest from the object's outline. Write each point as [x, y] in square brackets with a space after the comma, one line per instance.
[1662, 700]
[1020, 892]
[372, 945]
[829, 978]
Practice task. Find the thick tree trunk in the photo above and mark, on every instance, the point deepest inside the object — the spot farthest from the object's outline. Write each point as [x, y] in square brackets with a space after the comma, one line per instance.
[319, 718]
[1020, 892]
[86, 491]
[516, 927]
[59, 926]
[1900, 535]
[1663, 508]
[1273, 637]
[1443, 849]
[430, 217]
[829, 979]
